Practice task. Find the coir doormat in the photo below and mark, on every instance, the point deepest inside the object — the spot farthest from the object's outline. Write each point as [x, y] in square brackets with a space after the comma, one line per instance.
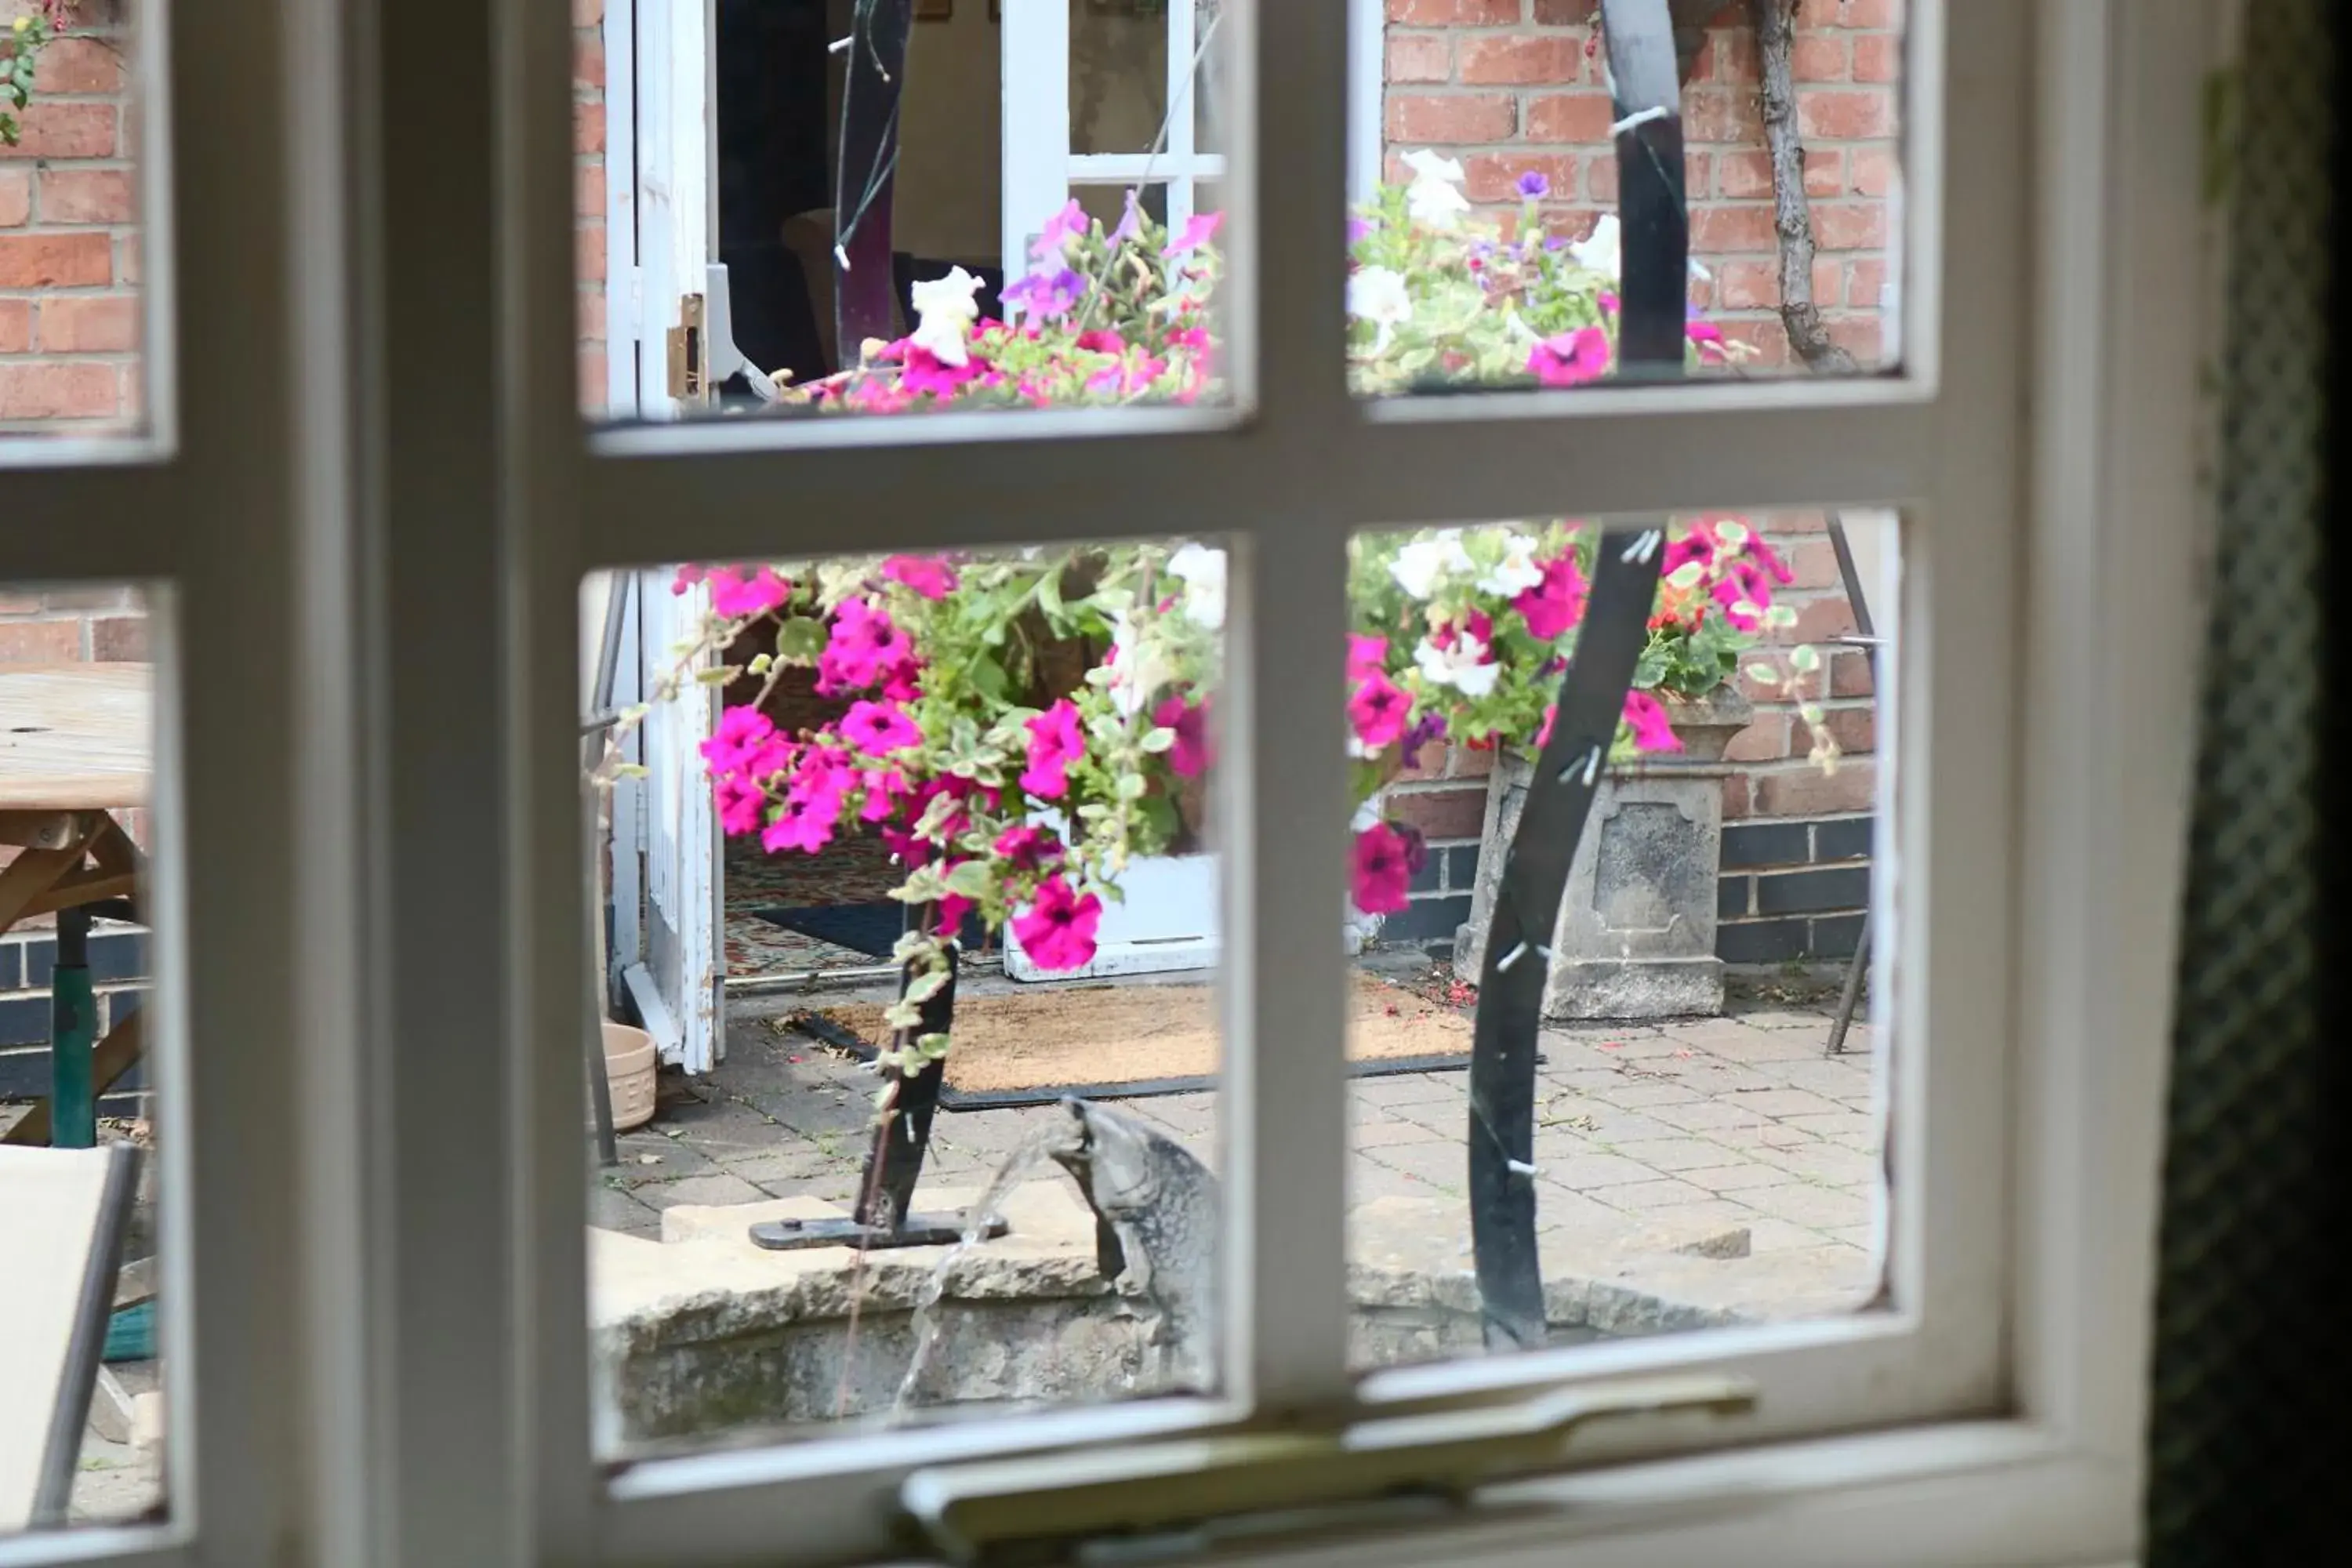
[1121, 1042]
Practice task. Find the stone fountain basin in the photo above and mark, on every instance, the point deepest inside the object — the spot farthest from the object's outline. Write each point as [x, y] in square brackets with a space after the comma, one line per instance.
[700, 1334]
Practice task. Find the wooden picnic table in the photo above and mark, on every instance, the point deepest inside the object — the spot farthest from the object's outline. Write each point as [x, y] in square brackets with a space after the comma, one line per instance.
[76, 747]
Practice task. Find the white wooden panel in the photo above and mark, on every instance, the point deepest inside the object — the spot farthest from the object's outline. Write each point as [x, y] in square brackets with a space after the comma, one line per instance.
[1035, 56]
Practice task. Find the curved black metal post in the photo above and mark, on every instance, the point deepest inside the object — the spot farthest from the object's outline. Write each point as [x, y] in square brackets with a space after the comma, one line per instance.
[1655, 246]
[1518, 944]
[863, 289]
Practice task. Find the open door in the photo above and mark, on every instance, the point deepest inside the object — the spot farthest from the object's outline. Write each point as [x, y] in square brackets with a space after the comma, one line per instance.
[666, 953]
[673, 970]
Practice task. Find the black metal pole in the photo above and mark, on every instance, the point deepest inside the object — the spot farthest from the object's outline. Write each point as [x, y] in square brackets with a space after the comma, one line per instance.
[1654, 241]
[886, 1190]
[864, 284]
[1652, 220]
[883, 1215]
[1567, 773]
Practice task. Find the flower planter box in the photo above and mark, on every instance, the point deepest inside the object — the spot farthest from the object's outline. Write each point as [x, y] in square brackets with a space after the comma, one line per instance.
[1635, 937]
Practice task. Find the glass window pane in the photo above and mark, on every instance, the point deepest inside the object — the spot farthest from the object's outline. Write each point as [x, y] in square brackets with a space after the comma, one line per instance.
[78, 1123]
[1505, 247]
[880, 224]
[1012, 752]
[70, 225]
[1697, 1153]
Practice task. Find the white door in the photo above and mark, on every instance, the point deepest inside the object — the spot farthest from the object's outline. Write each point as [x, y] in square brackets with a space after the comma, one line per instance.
[667, 878]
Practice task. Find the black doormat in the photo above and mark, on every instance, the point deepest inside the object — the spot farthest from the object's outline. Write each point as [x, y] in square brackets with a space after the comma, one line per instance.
[870, 929]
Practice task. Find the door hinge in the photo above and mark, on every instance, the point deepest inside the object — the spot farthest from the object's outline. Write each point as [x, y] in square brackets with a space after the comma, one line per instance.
[1189, 1492]
[689, 377]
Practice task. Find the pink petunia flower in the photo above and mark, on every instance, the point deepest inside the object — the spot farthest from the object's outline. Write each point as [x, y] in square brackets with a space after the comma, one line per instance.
[1366, 656]
[1055, 742]
[803, 824]
[1380, 876]
[742, 804]
[741, 731]
[1570, 358]
[926, 575]
[1199, 229]
[878, 729]
[1648, 715]
[733, 593]
[1557, 603]
[1025, 847]
[1377, 711]
[1058, 931]
[864, 642]
[1189, 755]
[926, 372]
[883, 788]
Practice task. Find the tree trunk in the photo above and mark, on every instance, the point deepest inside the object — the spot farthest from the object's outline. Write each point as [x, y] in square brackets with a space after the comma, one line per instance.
[1792, 217]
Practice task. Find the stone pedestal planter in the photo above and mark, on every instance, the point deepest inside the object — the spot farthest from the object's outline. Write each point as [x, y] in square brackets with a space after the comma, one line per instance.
[1636, 931]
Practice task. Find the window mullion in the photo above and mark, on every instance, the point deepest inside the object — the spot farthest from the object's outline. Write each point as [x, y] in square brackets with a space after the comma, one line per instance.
[1284, 970]
[1290, 174]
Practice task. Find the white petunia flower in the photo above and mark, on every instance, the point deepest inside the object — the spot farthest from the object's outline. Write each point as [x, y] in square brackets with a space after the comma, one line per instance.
[945, 309]
[1378, 295]
[1425, 565]
[1516, 572]
[1435, 196]
[1139, 666]
[1203, 573]
[1603, 251]
[1462, 666]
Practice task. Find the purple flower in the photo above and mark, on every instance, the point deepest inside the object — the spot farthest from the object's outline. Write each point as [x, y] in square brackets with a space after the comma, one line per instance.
[1358, 229]
[1046, 296]
[1130, 224]
[1068, 223]
[1427, 728]
[1533, 185]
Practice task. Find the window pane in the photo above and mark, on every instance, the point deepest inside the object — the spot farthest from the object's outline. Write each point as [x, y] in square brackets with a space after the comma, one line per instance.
[1504, 249]
[907, 190]
[894, 739]
[1699, 1155]
[77, 768]
[70, 227]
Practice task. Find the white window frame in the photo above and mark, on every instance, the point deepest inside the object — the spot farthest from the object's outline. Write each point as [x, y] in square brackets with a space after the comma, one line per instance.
[376, 516]
[1039, 169]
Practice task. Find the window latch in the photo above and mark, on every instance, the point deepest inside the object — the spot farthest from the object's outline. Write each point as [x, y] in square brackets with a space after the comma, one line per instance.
[1182, 1494]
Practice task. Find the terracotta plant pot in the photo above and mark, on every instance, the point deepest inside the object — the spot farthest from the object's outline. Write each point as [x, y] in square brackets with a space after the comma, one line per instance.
[630, 1063]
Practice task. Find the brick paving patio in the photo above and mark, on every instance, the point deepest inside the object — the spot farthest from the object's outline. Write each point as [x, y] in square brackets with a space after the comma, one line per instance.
[1735, 1136]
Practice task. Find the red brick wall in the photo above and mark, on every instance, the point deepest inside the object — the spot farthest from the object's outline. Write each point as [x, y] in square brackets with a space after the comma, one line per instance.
[69, 240]
[1507, 86]
[588, 203]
